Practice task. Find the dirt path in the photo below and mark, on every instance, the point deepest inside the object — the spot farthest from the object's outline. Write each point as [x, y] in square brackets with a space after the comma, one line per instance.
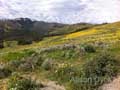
[48, 84]
[114, 85]
[52, 86]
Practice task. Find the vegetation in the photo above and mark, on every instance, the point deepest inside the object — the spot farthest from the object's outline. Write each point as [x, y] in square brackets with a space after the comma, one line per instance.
[47, 64]
[89, 48]
[24, 42]
[90, 75]
[10, 44]
[96, 72]
[83, 58]
[21, 83]
[5, 72]
[17, 55]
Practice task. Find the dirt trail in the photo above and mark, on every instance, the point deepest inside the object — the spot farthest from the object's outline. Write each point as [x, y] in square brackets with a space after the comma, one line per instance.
[52, 86]
[114, 85]
[48, 84]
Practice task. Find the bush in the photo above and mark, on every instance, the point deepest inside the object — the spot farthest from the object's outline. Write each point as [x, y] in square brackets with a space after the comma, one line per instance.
[31, 63]
[96, 72]
[47, 64]
[13, 65]
[65, 73]
[26, 66]
[70, 54]
[21, 83]
[24, 42]
[28, 63]
[38, 62]
[1, 45]
[10, 43]
[89, 48]
[5, 72]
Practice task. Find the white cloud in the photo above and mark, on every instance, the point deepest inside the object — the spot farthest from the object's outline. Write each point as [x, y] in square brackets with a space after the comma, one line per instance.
[65, 11]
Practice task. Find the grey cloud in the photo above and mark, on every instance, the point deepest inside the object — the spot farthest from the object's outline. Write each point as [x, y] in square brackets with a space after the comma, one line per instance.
[65, 11]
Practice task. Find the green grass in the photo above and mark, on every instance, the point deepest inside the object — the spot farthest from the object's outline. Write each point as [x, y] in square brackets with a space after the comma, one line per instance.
[11, 56]
[102, 68]
[62, 54]
[66, 63]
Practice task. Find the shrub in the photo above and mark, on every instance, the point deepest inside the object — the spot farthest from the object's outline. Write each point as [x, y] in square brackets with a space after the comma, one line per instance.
[1, 45]
[10, 43]
[13, 65]
[28, 63]
[31, 63]
[24, 42]
[47, 64]
[65, 73]
[21, 83]
[70, 54]
[89, 48]
[96, 72]
[38, 62]
[5, 72]
[26, 66]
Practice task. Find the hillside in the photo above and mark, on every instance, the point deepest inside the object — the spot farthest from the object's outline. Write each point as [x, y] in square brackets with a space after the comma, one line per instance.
[24, 28]
[72, 57]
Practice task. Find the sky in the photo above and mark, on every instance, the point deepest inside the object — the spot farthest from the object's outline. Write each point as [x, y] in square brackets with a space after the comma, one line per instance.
[62, 11]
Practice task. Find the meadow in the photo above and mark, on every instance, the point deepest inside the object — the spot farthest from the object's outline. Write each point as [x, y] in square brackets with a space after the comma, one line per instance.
[68, 59]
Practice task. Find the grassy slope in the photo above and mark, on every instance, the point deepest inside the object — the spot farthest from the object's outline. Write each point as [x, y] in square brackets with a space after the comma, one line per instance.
[108, 34]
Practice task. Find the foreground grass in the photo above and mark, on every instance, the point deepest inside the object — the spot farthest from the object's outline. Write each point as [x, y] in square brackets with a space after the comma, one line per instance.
[67, 64]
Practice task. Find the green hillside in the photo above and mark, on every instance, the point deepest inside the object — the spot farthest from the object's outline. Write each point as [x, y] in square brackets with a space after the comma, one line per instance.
[25, 31]
[78, 57]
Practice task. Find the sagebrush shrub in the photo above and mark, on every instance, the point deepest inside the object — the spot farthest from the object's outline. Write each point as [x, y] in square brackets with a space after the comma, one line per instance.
[21, 83]
[65, 73]
[47, 64]
[96, 72]
[5, 72]
[89, 48]
[24, 42]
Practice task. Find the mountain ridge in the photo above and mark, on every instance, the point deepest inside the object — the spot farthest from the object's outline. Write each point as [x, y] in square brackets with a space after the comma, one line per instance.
[27, 29]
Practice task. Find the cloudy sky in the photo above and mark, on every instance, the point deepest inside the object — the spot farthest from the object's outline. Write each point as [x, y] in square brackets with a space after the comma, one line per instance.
[64, 11]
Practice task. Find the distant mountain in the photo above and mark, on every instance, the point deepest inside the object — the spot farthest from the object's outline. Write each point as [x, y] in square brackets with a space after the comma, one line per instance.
[26, 29]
